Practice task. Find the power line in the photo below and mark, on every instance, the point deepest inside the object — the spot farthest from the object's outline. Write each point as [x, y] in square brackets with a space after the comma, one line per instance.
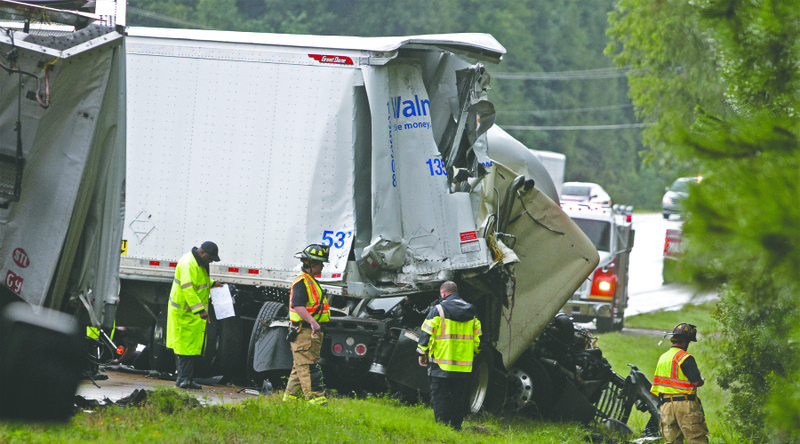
[576, 128]
[586, 74]
[566, 110]
[164, 18]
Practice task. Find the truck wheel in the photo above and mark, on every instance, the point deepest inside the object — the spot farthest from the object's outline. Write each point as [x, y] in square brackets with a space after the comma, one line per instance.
[161, 357]
[488, 385]
[481, 372]
[605, 325]
[621, 324]
[269, 312]
[530, 389]
[224, 353]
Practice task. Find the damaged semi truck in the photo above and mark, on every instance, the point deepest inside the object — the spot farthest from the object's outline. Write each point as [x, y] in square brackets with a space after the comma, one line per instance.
[383, 149]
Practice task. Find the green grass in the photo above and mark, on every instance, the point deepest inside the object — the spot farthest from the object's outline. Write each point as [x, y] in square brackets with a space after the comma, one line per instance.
[699, 315]
[644, 351]
[172, 416]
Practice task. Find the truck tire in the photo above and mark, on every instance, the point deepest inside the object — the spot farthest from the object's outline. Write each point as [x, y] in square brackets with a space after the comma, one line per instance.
[161, 357]
[621, 324]
[605, 325]
[530, 389]
[488, 384]
[224, 351]
[269, 312]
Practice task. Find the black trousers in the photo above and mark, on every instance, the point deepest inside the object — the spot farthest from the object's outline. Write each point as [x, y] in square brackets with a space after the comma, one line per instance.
[449, 398]
[185, 366]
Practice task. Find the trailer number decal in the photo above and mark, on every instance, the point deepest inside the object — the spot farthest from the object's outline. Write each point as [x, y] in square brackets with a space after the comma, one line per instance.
[14, 282]
[436, 167]
[21, 258]
[335, 239]
[334, 59]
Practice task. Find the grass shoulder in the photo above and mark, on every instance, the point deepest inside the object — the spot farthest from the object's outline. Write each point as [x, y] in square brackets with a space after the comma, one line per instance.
[643, 350]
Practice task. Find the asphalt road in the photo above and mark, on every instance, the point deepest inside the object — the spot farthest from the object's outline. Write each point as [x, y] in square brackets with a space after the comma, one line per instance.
[646, 291]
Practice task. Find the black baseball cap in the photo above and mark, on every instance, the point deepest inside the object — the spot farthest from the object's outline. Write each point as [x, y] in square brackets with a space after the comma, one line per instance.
[212, 250]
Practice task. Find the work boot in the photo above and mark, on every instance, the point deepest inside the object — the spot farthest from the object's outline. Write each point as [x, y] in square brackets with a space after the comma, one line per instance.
[189, 384]
[320, 401]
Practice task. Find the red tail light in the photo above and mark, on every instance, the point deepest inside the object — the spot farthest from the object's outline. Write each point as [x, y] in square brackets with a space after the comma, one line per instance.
[604, 282]
[672, 243]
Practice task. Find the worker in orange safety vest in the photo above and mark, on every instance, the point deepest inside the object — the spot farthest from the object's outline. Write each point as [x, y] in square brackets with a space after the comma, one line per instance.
[675, 383]
[308, 309]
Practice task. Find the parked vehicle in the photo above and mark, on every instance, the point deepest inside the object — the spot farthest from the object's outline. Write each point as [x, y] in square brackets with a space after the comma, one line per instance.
[383, 149]
[673, 250]
[672, 202]
[584, 192]
[603, 296]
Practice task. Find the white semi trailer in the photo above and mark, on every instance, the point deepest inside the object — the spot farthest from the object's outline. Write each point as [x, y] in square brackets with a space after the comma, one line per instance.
[382, 148]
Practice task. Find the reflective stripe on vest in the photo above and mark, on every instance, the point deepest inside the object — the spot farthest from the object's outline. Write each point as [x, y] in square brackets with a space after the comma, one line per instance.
[189, 309]
[317, 304]
[453, 345]
[669, 378]
[189, 284]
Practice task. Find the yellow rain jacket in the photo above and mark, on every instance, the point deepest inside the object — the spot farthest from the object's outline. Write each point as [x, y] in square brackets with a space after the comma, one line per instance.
[189, 295]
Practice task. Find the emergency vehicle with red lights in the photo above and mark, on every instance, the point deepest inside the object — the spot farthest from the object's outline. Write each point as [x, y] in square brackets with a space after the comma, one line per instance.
[603, 296]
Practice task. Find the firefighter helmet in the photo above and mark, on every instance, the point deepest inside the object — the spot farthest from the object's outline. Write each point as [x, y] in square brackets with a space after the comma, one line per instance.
[314, 252]
[685, 330]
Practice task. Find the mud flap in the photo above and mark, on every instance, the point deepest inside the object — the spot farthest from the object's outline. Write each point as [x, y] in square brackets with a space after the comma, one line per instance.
[272, 351]
[573, 406]
[404, 366]
[40, 363]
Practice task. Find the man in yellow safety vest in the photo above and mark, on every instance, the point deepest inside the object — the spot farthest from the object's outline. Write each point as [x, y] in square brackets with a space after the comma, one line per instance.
[675, 383]
[187, 312]
[449, 341]
[308, 309]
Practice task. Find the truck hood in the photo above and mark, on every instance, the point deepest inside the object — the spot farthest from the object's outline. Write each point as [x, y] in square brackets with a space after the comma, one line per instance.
[555, 257]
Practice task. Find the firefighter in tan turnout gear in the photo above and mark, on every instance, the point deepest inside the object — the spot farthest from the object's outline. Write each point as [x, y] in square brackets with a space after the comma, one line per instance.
[448, 343]
[187, 313]
[675, 383]
[308, 309]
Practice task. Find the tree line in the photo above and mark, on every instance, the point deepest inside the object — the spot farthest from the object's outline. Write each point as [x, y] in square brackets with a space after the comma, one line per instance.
[555, 89]
[718, 82]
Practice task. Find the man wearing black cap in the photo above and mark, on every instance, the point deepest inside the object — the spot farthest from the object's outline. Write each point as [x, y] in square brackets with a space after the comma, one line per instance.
[187, 314]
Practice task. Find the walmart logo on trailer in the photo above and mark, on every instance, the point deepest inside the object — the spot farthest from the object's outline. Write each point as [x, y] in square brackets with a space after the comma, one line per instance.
[408, 108]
